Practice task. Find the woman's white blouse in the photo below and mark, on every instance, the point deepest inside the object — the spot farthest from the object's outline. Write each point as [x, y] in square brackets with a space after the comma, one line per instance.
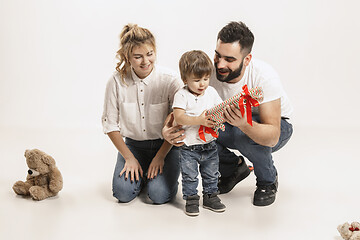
[139, 109]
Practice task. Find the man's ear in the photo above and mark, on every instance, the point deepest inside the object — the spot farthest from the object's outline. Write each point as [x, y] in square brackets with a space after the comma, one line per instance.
[247, 59]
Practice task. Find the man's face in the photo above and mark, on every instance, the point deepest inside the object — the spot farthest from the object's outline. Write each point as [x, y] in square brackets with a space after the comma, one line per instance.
[228, 62]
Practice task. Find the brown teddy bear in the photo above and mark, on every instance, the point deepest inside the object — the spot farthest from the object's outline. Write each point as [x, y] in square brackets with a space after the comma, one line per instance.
[44, 178]
[349, 232]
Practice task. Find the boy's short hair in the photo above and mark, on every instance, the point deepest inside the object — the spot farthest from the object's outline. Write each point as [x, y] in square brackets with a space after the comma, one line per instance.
[196, 63]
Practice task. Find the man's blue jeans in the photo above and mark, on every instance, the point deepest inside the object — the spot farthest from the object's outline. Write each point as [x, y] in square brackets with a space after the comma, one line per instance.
[162, 188]
[207, 157]
[260, 156]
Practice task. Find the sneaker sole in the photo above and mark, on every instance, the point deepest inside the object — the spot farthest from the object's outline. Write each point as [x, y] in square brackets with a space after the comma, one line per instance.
[264, 203]
[191, 214]
[214, 210]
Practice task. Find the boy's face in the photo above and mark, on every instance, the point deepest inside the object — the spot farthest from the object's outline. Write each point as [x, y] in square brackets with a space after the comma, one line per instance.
[197, 86]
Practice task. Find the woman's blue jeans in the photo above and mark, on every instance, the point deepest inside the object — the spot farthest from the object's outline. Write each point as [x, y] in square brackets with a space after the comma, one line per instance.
[162, 188]
[260, 156]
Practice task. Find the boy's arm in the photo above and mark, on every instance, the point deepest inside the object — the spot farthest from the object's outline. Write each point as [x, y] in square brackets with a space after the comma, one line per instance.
[182, 119]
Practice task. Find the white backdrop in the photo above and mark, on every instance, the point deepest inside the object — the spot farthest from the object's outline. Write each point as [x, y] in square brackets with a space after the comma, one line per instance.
[56, 56]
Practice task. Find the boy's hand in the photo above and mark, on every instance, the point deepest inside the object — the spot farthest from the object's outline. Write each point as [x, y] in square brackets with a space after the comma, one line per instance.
[206, 121]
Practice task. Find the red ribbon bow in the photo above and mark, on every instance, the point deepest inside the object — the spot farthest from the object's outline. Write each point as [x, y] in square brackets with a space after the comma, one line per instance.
[353, 229]
[207, 130]
[248, 101]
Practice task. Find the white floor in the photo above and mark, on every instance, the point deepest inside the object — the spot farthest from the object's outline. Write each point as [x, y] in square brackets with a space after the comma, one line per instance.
[318, 190]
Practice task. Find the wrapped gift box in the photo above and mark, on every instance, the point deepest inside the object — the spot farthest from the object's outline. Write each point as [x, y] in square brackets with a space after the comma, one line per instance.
[243, 101]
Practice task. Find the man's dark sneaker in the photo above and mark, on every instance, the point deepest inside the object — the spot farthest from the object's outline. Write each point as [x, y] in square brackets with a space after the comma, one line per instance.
[192, 205]
[226, 184]
[265, 194]
[213, 202]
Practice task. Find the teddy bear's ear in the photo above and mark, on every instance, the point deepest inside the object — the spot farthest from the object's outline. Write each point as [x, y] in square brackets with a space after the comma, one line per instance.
[27, 153]
[48, 160]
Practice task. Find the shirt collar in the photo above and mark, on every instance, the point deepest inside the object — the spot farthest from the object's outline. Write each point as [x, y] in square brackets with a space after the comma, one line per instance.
[145, 80]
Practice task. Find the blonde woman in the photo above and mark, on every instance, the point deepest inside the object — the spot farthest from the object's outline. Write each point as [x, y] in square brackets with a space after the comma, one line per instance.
[138, 98]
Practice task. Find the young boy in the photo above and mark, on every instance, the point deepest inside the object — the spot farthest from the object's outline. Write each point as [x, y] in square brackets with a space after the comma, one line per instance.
[190, 104]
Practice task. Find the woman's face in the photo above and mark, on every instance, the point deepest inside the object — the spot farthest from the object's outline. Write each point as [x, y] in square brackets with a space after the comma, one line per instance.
[142, 60]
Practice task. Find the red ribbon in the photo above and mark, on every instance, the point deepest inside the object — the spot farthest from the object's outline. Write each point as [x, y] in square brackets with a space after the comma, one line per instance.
[207, 130]
[353, 229]
[248, 101]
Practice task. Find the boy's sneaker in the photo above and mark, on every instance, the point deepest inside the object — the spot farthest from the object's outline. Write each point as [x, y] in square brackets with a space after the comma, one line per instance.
[192, 205]
[213, 202]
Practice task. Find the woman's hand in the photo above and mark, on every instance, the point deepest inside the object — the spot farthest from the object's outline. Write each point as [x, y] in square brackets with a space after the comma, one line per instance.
[133, 168]
[156, 167]
[173, 134]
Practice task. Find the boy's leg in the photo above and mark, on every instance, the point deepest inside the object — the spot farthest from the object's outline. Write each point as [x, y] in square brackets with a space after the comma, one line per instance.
[209, 169]
[189, 171]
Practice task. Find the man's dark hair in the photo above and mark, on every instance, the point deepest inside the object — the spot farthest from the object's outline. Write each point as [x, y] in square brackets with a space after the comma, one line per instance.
[237, 31]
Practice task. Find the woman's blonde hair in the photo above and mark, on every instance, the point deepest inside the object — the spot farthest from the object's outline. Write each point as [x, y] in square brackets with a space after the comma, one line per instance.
[131, 36]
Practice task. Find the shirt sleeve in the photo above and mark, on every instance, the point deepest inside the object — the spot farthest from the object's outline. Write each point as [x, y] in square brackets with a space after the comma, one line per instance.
[272, 88]
[180, 100]
[175, 86]
[110, 117]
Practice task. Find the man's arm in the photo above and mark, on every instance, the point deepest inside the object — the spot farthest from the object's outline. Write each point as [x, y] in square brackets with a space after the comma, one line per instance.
[265, 133]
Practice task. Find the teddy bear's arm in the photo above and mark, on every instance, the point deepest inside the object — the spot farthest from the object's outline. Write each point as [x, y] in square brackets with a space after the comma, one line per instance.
[56, 181]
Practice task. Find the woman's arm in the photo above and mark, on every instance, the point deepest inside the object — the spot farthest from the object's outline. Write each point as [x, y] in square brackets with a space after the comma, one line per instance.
[132, 165]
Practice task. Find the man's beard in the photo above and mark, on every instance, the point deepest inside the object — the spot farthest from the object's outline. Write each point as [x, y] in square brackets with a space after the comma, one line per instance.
[232, 74]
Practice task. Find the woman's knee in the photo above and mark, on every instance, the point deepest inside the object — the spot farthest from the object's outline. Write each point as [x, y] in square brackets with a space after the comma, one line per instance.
[124, 191]
[161, 194]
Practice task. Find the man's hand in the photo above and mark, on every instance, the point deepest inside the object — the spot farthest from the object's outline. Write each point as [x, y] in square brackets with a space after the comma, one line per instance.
[267, 131]
[233, 116]
[173, 134]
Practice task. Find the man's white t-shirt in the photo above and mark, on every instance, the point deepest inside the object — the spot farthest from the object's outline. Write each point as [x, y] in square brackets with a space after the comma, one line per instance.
[257, 74]
[194, 106]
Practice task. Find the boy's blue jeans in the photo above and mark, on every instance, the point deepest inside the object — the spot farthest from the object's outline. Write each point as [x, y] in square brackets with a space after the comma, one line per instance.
[162, 188]
[207, 157]
[260, 156]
